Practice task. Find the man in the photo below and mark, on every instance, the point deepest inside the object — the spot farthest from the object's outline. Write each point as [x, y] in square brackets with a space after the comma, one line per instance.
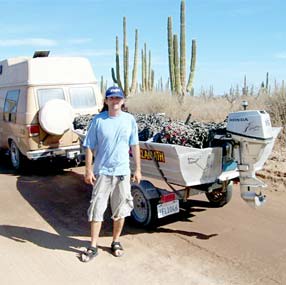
[108, 139]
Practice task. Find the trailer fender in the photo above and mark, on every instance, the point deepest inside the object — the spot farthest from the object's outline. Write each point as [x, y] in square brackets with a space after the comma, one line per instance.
[148, 189]
[145, 199]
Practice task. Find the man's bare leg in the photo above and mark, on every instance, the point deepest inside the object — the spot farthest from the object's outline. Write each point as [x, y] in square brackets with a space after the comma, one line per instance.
[117, 229]
[91, 251]
[94, 232]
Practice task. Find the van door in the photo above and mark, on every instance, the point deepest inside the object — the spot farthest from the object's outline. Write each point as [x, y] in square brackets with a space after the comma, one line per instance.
[10, 116]
[51, 140]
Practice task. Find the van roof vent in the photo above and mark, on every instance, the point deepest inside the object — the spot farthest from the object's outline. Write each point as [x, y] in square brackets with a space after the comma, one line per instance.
[41, 53]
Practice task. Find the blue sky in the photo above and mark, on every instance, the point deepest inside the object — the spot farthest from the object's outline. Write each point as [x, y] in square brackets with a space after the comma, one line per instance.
[234, 37]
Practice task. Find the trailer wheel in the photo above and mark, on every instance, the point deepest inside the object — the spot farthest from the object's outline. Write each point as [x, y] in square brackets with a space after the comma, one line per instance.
[219, 197]
[144, 211]
[16, 157]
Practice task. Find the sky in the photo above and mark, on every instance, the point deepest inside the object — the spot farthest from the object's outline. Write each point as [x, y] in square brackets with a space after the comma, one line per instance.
[235, 38]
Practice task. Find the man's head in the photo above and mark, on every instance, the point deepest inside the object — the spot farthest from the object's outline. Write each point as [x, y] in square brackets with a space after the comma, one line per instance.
[114, 91]
[114, 98]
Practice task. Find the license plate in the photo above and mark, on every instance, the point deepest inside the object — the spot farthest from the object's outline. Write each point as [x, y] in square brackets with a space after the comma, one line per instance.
[168, 208]
[72, 154]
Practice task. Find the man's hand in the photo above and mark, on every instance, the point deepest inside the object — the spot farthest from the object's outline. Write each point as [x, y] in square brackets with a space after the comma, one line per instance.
[89, 177]
[137, 176]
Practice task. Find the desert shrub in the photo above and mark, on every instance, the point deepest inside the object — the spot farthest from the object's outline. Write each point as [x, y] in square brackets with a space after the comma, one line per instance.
[276, 106]
[173, 108]
[212, 109]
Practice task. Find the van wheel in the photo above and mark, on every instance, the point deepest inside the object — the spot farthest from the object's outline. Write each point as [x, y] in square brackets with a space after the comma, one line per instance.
[16, 157]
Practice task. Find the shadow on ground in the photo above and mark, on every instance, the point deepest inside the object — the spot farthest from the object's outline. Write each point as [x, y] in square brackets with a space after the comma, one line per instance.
[41, 238]
[61, 198]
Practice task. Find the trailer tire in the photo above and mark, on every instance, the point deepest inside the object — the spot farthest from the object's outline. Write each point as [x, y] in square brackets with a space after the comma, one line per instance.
[218, 197]
[144, 211]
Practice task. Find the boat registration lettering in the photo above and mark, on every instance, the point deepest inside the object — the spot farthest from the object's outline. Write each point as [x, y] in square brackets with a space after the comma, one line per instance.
[149, 154]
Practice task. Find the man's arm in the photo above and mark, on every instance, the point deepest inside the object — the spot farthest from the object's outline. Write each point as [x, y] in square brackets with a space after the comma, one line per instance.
[89, 177]
[136, 156]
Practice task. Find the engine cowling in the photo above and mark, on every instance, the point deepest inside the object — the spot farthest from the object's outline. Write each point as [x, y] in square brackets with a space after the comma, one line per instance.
[253, 138]
[252, 124]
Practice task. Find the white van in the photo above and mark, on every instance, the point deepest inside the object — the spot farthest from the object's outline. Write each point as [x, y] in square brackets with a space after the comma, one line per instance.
[39, 98]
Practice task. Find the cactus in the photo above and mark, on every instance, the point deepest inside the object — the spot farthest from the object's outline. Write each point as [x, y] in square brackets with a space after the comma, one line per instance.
[183, 46]
[171, 54]
[245, 87]
[126, 71]
[192, 67]
[101, 85]
[125, 59]
[116, 79]
[142, 71]
[267, 87]
[134, 71]
[178, 85]
[152, 80]
[176, 68]
[147, 72]
[145, 68]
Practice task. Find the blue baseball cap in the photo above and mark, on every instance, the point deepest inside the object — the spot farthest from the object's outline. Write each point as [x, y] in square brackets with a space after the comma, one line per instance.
[114, 91]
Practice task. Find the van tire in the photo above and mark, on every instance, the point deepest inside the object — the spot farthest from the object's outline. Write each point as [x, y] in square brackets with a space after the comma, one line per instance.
[16, 157]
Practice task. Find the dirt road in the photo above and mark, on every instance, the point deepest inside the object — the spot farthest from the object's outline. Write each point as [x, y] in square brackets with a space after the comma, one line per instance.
[43, 226]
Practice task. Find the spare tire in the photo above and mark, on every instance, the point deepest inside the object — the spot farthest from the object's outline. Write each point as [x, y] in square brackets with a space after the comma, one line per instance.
[56, 117]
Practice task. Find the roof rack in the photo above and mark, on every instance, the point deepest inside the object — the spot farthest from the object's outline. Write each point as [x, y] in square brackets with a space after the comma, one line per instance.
[41, 53]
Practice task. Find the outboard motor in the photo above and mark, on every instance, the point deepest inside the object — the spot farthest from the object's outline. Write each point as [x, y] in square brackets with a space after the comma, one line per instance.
[253, 138]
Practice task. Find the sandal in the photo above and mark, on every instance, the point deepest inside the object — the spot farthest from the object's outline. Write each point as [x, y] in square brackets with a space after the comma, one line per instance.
[89, 254]
[117, 249]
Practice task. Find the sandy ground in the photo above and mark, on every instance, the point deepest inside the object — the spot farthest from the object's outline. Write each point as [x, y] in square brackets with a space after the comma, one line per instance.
[43, 227]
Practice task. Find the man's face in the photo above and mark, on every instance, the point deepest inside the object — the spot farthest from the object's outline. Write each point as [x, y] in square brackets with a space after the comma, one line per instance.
[114, 103]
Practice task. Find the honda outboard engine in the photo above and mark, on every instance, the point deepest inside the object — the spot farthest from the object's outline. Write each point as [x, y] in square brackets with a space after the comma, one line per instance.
[253, 138]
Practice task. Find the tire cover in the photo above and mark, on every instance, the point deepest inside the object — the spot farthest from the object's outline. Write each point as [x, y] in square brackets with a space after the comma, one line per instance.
[56, 117]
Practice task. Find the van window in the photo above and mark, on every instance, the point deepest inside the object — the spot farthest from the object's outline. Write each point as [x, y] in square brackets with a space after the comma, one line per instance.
[82, 97]
[45, 95]
[10, 106]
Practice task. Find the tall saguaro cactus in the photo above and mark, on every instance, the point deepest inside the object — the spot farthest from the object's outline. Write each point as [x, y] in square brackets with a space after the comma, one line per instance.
[125, 59]
[143, 71]
[116, 79]
[135, 63]
[192, 67]
[177, 68]
[147, 71]
[183, 46]
[178, 86]
[171, 54]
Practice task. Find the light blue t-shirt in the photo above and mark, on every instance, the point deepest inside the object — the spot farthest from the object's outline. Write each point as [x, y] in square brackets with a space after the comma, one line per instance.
[110, 138]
